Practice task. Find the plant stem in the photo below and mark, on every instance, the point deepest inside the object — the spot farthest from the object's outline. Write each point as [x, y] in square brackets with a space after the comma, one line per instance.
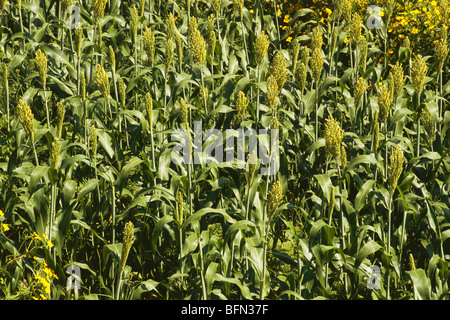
[418, 138]
[257, 96]
[46, 109]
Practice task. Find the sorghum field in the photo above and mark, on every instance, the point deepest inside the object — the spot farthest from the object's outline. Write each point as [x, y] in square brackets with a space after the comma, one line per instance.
[346, 195]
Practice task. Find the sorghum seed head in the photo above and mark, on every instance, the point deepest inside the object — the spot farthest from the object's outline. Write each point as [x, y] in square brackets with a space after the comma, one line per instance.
[212, 43]
[149, 108]
[305, 56]
[441, 52]
[55, 153]
[347, 10]
[102, 81]
[170, 26]
[241, 108]
[60, 112]
[384, 102]
[333, 135]
[184, 112]
[128, 240]
[316, 64]
[83, 87]
[358, 92]
[426, 118]
[122, 91]
[418, 72]
[134, 16]
[375, 132]
[338, 8]
[343, 157]
[279, 70]
[275, 198]
[261, 46]
[406, 43]
[238, 6]
[41, 63]
[179, 47]
[204, 94]
[93, 140]
[78, 39]
[65, 4]
[216, 6]
[272, 93]
[301, 76]
[169, 53]
[141, 8]
[192, 29]
[398, 79]
[198, 46]
[100, 34]
[362, 44]
[149, 45]
[316, 39]
[112, 56]
[26, 118]
[389, 8]
[98, 7]
[332, 201]
[355, 27]
[412, 264]
[180, 206]
[395, 168]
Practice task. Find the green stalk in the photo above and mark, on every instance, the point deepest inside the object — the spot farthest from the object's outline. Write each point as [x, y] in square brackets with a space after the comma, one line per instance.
[263, 279]
[257, 96]
[245, 44]
[46, 109]
[278, 26]
[35, 153]
[300, 277]
[202, 270]
[52, 216]
[317, 110]
[7, 103]
[389, 244]
[418, 138]
[113, 191]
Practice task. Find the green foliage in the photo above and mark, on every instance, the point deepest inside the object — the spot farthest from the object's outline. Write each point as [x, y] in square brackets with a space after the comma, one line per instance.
[103, 166]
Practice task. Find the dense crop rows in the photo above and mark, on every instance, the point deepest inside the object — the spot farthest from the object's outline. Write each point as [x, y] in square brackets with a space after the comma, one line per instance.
[96, 94]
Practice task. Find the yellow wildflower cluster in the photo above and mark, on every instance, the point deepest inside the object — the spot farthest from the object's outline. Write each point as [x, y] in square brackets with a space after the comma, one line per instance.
[42, 280]
[43, 239]
[3, 226]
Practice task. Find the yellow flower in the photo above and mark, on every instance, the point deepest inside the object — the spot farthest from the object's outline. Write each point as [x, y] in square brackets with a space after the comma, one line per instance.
[251, 11]
[36, 236]
[288, 39]
[50, 244]
[346, 40]
[286, 18]
[5, 227]
[328, 11]
[1, 213]
[381, 13]
[434, 3]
